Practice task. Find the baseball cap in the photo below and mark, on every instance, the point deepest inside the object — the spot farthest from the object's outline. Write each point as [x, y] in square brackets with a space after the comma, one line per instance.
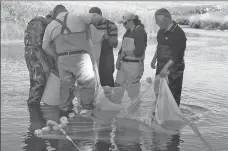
[127, 16]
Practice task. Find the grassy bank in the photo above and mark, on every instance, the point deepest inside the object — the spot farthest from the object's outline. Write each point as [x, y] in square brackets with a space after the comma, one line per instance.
[16, 14]
[202, 17]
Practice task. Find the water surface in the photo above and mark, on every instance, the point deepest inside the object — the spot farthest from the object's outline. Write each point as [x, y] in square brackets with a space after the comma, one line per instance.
[204, 102]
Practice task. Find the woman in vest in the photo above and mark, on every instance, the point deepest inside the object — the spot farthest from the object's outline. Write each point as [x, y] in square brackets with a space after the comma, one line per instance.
[130, 61]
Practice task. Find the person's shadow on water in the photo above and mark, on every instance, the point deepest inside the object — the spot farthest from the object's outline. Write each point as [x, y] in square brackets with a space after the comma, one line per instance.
[174, 143]
[160, 142]
[32, 142]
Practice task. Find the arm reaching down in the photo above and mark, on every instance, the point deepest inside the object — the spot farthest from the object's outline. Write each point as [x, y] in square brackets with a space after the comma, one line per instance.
[47, 45]
[112, 34]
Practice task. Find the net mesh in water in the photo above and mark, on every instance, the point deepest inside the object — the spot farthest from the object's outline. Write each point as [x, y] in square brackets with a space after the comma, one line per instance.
[168, 117]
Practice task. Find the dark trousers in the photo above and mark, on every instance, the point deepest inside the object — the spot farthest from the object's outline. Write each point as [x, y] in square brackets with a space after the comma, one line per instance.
[106, 69]
[175, 85]
[175, 79]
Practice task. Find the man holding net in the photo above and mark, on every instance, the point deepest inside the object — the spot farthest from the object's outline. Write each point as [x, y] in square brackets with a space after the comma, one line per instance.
[170, 52]
[169, 55]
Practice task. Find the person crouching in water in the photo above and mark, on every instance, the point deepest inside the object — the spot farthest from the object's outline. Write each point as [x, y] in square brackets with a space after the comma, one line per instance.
[130, 61]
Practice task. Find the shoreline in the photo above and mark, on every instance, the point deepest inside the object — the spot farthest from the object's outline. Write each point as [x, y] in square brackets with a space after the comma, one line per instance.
[203, 32]
[6, 42]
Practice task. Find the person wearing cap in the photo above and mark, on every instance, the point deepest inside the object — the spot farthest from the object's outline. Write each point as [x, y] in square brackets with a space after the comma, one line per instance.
[110, 41]
[170, 52]
[130, 61]
[66, 39]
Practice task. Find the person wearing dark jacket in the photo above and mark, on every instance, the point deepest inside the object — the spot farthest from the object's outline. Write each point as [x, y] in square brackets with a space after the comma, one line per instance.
[170, 52]
[106, 61]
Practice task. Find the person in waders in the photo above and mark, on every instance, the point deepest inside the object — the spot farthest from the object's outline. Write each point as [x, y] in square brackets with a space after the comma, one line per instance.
[106, 61]
[68, 32]
[130, 61]
[169, 57]
[170, 52]
[35, 58]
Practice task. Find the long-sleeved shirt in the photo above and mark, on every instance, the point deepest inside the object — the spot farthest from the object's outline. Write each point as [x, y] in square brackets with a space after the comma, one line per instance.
[112, 31]
[140, 40]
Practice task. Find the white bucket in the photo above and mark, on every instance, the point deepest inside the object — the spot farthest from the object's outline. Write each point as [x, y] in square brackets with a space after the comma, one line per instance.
[51, 95]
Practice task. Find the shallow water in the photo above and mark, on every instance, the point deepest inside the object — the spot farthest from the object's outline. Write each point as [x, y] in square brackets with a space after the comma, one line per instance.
[204, 103]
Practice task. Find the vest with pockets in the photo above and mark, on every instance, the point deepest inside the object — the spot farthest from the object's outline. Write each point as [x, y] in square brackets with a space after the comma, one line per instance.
[128, 44]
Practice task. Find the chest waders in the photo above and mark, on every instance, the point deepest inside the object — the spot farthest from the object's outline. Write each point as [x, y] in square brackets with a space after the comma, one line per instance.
[75, 66]
[131, 70]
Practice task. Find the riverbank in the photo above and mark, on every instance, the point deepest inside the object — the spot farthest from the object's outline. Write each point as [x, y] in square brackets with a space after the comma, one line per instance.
[7, 42]
[16, 14]
[188, 31]
[210, 17]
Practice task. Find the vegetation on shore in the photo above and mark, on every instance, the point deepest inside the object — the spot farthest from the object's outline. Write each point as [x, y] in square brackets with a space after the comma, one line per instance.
[202, 17]
[16, 14]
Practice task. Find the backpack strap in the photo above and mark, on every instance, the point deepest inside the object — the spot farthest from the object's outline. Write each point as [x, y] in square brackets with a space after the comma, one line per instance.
[64, 27]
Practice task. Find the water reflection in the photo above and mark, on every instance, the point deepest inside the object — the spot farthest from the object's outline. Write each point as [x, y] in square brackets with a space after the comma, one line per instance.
[12, 50]
[33, 143]
[159, 142]
[174, 143]
[92, 135]
[204, 93]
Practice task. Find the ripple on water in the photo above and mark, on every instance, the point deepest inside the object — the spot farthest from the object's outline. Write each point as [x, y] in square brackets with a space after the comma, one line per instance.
[204, 102]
